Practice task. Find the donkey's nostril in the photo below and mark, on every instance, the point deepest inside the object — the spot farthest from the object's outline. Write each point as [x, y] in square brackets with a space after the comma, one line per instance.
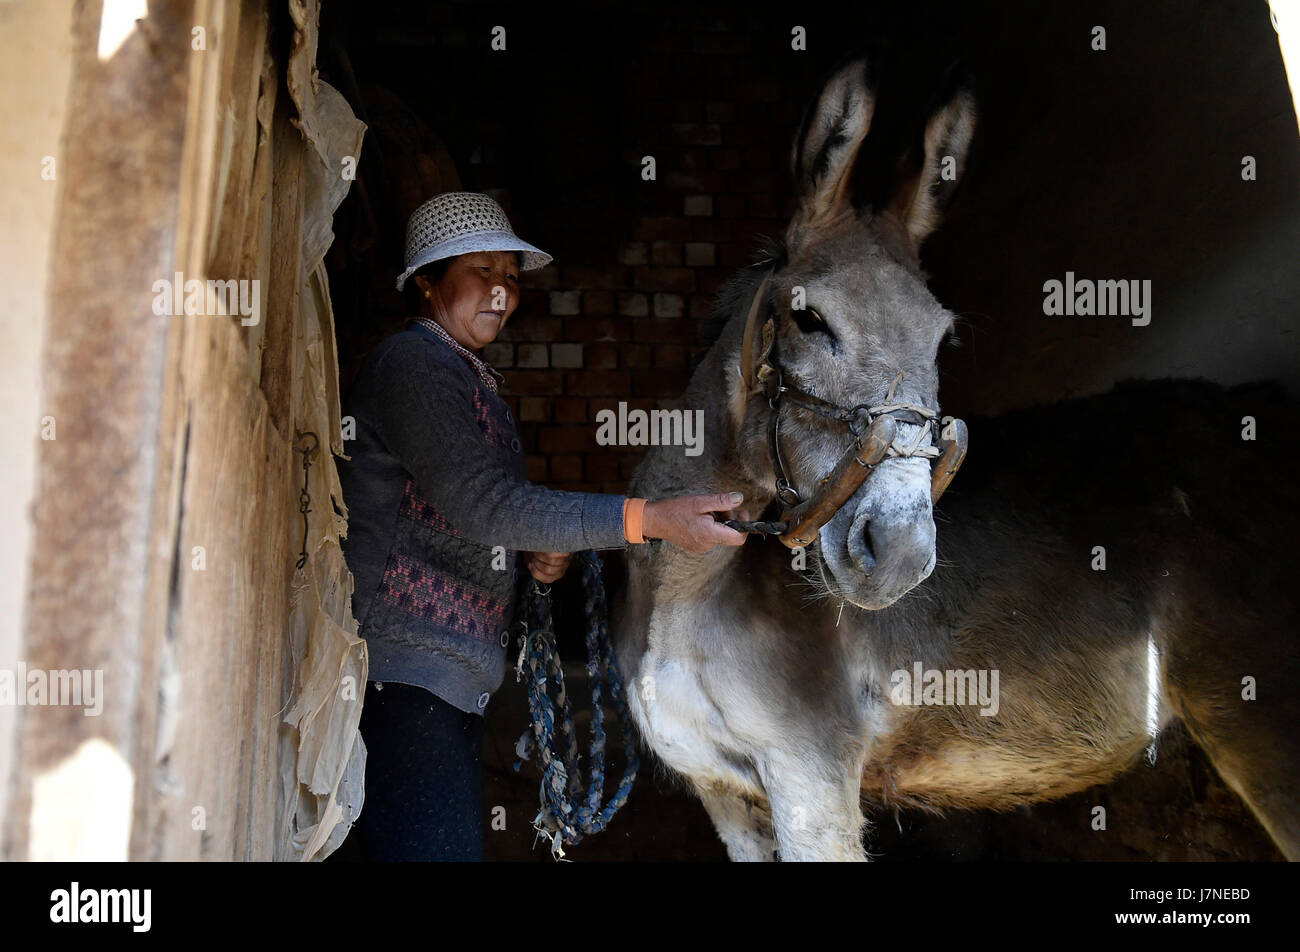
[861, 550]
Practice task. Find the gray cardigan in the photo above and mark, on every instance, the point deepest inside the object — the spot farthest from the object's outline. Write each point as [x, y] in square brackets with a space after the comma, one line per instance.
[439, 506]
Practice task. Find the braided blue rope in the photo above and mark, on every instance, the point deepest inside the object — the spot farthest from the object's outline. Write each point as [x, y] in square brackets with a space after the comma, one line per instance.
[566, 816]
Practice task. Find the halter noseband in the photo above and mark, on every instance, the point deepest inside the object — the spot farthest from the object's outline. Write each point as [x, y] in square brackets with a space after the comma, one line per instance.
[874, 429]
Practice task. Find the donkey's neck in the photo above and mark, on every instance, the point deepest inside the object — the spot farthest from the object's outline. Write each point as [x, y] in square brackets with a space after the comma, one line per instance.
[732, 458]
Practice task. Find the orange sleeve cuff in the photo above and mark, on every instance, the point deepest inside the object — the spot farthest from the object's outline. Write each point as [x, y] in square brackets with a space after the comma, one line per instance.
[633, 513]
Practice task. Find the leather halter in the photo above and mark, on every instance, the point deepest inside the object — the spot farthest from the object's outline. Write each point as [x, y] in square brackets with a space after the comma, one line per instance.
[874, 429]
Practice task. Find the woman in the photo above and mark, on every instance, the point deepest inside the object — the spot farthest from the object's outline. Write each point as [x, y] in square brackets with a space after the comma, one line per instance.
[439, 507]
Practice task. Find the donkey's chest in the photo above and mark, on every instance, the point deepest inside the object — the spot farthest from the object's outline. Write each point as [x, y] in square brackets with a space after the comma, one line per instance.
[685, 709]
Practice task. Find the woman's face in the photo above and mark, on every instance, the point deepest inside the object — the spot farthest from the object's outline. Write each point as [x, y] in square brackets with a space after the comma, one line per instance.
[476, 296]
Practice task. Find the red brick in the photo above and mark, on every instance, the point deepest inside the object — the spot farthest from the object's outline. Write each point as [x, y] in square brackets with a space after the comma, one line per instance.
[532, 303]
[666, 253]
[535, 468]
[571, 410]
[564, 302]
[598, 383]
[680, 280]
[701, 182]
[544, 278]
[597, 302]
[669, 305]
[532, 355]
[661, 383]
[530, 327]
[670, 356]
[668, 227]
[607, 278]
[636, 356]
[533, 382]
[588, 329]
[566, 467]
[700, 253]
[634, 252]
[566, 439]
[602, 466]
[633, 304]
[664, 329]
[602, 356]
[643, 403]
[730, 206]
[697, 205]
[533, 409]
[684, 181]
[499, 354]
[567, 355]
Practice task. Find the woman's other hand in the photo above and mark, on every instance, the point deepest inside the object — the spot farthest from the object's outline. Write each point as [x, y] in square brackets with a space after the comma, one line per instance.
[689, 521]
[548, 567]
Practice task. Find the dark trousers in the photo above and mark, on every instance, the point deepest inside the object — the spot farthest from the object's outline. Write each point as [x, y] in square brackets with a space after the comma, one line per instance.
[424, 777]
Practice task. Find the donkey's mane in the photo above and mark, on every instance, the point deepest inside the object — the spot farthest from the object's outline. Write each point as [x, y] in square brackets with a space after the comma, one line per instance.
[770, 252]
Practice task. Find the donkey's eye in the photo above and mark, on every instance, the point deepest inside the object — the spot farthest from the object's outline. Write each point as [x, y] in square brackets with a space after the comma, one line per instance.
[810, 321]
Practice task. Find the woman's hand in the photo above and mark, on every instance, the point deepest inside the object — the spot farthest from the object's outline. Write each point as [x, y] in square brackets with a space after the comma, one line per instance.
[548, 567]
[688, 521]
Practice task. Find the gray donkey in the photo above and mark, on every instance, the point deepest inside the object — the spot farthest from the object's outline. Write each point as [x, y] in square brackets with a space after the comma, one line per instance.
[1104, 566]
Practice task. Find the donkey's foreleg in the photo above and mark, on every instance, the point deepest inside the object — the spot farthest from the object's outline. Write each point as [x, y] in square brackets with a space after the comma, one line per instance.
[816, 808]
[743, 825]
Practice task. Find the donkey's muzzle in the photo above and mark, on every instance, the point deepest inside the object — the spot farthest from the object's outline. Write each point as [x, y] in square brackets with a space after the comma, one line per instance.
[800, 525]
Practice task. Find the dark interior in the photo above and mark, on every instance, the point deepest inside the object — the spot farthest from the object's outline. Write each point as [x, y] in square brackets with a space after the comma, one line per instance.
[1122, 163]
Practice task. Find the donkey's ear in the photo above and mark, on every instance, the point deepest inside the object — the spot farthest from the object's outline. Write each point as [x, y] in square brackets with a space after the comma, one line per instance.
[920, 201]
[830, 136]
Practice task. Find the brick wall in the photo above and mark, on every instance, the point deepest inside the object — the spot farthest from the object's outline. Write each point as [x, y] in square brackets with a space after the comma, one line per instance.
[619, 314]
[624, 323]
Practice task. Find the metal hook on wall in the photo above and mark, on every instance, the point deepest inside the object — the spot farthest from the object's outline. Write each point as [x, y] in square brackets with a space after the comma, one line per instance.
[304, 498]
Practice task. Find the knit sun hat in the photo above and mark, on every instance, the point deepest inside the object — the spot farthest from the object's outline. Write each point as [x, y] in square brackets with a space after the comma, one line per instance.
[456, 223]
